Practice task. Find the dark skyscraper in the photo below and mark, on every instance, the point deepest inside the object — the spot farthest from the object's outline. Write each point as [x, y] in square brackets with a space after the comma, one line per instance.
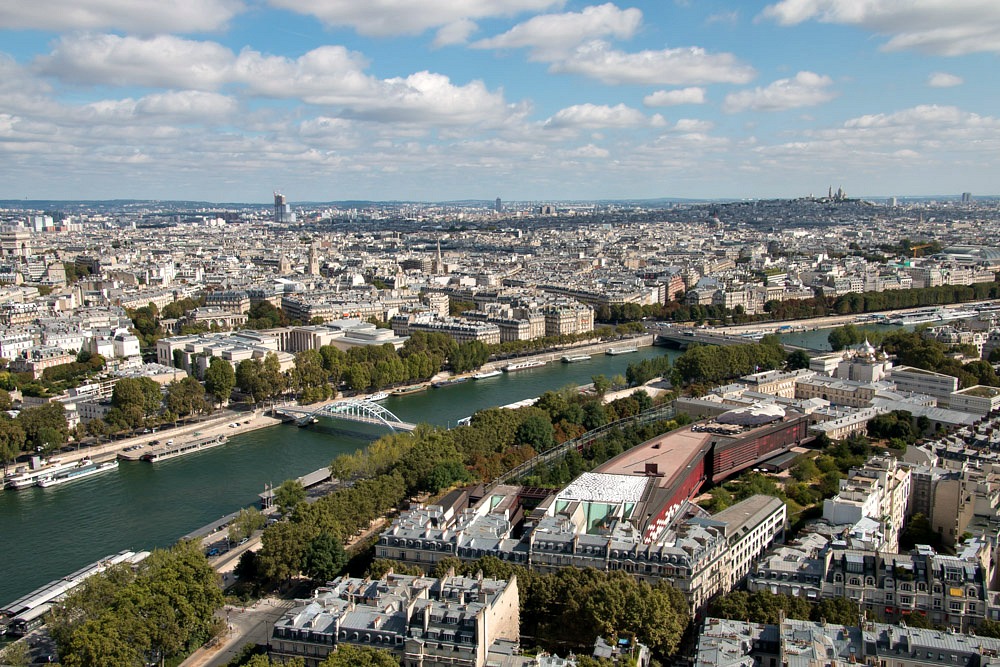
[282, 211]
[498, 206]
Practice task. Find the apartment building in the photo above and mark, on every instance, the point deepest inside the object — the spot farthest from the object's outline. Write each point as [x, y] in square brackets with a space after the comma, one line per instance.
[880, 491]
[461, 331]
[591, 524]
[425, 622]
[949, 590]
[794, 643]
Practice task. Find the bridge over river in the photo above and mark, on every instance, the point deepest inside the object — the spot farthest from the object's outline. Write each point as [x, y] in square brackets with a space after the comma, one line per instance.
[682, 337]
[352, 409]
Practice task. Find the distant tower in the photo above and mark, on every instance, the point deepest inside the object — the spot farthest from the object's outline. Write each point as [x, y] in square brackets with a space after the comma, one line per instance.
[498, 206]
[439, 262]
[966, 197]
[313, 261]
[282, 211]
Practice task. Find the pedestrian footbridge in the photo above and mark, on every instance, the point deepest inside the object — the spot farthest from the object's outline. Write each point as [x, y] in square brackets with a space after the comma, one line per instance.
[354, 410]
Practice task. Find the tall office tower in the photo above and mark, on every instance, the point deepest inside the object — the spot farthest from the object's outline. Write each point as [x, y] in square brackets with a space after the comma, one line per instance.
[498, 207]
[966, 197]
[282, 210]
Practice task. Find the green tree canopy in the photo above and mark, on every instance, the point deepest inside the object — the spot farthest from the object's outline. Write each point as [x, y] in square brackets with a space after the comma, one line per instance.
[289, 494]
[348, 655]
[220, 379]
[324, 558]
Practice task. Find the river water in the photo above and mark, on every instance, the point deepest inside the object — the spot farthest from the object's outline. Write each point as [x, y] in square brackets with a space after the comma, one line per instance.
[49, 533]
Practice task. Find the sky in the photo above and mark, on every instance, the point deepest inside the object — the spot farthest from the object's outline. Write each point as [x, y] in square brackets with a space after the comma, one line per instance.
[527, 100]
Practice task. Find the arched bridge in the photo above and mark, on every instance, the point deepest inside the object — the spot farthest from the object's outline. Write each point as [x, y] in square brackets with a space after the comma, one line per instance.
[351, 409]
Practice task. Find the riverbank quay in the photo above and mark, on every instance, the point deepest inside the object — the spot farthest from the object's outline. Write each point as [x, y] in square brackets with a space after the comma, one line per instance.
[556, 355]
[827, 322]
[214, 425]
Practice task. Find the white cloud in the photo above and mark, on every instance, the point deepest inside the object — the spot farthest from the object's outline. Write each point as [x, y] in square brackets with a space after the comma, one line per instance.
[596, 116]
[689, 125]
[668, 67]
[590, 151]
[938, 135]
[191, 104]
[457, 32]
[552, 36]
[164, 61]
[408, 17]
[138, 16]
[328, 75]
[944, 80]
[666, 98]
[943, 27]
[731, 18]
[804, 90]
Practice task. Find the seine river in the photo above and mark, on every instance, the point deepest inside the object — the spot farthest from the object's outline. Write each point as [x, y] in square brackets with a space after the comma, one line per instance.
[49, 533]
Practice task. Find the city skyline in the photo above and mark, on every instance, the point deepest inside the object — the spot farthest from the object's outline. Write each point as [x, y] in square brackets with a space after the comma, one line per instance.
[438, 100]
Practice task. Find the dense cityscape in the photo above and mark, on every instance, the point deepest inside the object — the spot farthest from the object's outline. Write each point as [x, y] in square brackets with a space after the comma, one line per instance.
[499, 333]
[742, 498]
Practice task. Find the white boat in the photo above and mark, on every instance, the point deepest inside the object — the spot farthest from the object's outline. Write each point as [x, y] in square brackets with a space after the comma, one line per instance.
[486, 375]
[86, 468]
[174, 451]
[523, 365]
[30, 477]
[573, 358]
[378, 396]
[621, 350]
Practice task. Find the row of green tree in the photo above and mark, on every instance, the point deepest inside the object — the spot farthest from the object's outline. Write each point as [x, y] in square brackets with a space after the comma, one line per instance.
[561, 472]
[161, 609]
[41, 429]
[796, 309]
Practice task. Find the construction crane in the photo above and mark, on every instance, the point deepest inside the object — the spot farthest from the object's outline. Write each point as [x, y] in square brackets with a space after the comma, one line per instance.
[917, 250]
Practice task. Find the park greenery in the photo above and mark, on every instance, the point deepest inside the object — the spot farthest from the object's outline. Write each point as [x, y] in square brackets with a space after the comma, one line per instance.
[715, 363]
[158, 610]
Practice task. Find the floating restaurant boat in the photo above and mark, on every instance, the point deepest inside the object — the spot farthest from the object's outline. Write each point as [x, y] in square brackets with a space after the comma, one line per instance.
[26, 478]
[611, 351]
[573, 358]
[523, 365]
[448, 383]
[86, 468]
[173, 451]
[413, 389]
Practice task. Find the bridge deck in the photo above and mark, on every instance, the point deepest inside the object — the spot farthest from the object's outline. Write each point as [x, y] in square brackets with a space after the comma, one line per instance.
[684, 337]
[300, 413]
